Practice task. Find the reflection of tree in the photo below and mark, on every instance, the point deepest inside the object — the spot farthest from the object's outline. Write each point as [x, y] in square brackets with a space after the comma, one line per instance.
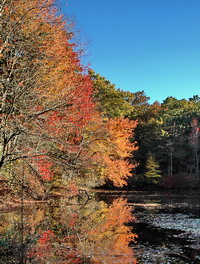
[107, 236]
[94, 233]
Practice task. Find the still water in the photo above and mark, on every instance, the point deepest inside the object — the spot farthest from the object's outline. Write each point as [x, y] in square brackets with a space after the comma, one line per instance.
[109, 227]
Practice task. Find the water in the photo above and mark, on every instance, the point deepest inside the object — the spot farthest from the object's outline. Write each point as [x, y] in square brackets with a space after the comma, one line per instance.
[165, 229]
[168, 226]
[67, 231]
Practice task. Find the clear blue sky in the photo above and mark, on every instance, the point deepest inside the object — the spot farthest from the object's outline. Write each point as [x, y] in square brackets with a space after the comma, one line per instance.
[150, 45]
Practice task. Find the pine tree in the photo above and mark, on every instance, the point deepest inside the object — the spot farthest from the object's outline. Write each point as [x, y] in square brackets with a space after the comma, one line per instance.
[152, 167]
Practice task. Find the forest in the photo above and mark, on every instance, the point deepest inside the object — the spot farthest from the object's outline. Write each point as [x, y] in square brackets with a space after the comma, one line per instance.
[166, 136]
[89, 173]
[65, 127]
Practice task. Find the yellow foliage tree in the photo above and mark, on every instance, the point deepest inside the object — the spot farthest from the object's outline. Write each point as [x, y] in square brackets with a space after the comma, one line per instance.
[109, 149]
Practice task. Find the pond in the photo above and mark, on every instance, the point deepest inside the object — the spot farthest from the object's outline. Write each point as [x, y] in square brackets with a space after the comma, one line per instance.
[110, 227]
[167, 225]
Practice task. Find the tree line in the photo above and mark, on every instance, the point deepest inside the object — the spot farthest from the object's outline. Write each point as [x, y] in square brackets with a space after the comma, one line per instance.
[167, 135]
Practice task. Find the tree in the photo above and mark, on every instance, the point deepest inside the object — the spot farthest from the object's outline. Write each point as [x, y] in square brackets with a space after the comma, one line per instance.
[119, 167]
[45, 91]
[194, 142]
[109, 150]
[147, 133]
[111, 102]
[140, 105]
[152, 166]
[166, 131]
[112, 132]
[177, 117]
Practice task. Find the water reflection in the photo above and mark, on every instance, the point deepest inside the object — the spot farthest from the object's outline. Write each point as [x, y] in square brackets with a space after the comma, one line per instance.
[167, 224]
[59, 233]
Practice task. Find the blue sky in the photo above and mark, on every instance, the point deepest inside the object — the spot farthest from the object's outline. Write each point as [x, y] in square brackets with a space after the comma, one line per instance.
[150, 45]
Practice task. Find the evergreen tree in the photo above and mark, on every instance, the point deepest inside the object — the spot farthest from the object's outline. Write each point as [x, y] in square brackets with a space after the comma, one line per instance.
[152, 167]
[110, 101]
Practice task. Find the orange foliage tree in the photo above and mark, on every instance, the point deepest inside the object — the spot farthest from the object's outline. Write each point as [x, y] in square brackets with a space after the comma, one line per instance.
[109, 149]
[47, 114]
[45, 91]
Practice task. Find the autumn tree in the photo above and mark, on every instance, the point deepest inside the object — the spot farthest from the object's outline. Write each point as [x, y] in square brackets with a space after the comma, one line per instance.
[45, 93]
[109, 149]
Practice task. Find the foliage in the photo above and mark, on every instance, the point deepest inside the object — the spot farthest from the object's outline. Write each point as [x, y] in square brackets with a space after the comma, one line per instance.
[111, 102]
[167, 130]
[48, 100]
[108, 149]
[46, 94]
[152, 167]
